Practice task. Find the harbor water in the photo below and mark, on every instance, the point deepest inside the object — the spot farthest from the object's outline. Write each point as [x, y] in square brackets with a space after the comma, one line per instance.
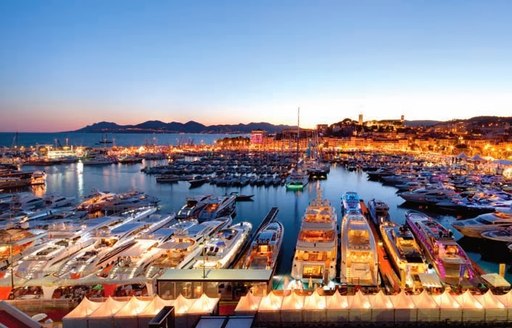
[79, 181]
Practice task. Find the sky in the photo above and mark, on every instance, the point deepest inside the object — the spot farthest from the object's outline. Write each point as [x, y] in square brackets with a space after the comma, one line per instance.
[66, 64]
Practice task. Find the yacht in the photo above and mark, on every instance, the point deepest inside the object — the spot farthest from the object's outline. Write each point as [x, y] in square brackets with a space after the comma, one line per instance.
[220, 251]
[297, 180]
[183, 247]
[379, 212]
[405, 252]
[449, 259]
[359, 259]
[428, 196]
[485, 222]
[317, 243]
[351, 202]
[16, 242]
[502, 235]
[192, 207]
[265, 248]
[218, 207]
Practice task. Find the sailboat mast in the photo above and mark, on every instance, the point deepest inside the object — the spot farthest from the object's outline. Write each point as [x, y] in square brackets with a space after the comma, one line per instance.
[298, 133]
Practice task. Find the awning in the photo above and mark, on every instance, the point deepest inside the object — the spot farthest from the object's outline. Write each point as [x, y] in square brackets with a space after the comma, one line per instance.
[495, 280]
[430, 280]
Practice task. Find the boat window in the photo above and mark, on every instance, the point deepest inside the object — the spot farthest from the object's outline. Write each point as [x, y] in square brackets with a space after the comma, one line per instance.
[482, 221]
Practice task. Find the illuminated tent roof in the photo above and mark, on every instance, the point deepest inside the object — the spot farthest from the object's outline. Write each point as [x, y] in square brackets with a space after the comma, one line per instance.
[248, 303]
[155, 306]
[315, 302]
[468, 301]
[271, 302]
[133, 307]
[293, 302]
[489, 301]
[380, 301]
[446, 301]
[402, 301]
[107, 308]
[424, 301]
[337, 301]
[204, 305]
[359, 301]
[84, 309]
[182, 304]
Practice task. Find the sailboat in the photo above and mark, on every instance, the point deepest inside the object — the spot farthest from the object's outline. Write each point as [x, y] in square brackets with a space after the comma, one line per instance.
[298, 178]
[104, 140]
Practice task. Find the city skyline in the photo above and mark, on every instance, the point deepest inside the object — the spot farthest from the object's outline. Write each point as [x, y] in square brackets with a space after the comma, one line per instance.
[69, 64]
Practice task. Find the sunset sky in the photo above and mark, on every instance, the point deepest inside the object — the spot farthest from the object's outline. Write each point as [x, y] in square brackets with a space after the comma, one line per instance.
[66, 64]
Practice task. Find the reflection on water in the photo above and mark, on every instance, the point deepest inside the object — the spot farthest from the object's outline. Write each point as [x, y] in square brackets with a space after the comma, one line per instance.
[77, 180]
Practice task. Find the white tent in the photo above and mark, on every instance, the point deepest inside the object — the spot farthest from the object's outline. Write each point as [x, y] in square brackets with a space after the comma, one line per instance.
[427, 308]
[449, 308]
[269, 307]
[337, 308]
[78, 317]
[381, 307]
[315, 308]
[506, 300]
[494, 309]
[103, 316]
[124, 318]
[182, 304]
[152, 309]
[472, 310]
[248, 304]
[359, 307]
[405, 309]
[204, 305]
[291, 308]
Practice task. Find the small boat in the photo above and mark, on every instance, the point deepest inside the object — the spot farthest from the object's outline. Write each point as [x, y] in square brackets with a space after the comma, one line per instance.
[297, 180]
[351, 203]
[265, 247]
[197, 181]
[242, 197]
[485, 222]
[168, 178]
[220, 251]
[379, 212]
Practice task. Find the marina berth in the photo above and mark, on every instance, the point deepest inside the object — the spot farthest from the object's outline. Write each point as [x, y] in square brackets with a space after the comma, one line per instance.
[265, 248]
[449, 259]
[404, 251]
[485, 222]
[220, 251]
[359, 258]
[317, 243]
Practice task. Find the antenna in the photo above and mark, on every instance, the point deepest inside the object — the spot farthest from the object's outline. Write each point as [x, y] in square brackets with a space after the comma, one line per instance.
[298, 133]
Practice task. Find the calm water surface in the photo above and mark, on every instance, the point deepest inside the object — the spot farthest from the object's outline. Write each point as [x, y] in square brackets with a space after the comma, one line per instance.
[79, 181]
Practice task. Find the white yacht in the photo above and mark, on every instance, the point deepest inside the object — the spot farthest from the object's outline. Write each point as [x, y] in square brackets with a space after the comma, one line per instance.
[359, 259]
[317, 243]
[265, 247]
[217, 207]
[220, 251]
[485, 222]
[183, 247]
[192, 207]
[297, 180]
[405, 252]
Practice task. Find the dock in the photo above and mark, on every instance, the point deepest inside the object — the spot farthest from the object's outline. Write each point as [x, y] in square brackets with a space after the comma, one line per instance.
[271, 215]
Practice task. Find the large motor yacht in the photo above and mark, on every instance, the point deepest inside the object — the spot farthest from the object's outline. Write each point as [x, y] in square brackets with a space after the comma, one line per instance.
[449, 259]
[485, 222]
[220, 251]
[405, 252]
[359, 260]
[317, 243]
[192, 207]
[217, 207]
[265, 248]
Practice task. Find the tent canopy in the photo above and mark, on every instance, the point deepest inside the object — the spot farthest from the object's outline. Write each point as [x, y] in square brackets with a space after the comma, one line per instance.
[495, 280]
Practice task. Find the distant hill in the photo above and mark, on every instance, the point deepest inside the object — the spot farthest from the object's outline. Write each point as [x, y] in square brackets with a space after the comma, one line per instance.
[177, 127]
[421, 123]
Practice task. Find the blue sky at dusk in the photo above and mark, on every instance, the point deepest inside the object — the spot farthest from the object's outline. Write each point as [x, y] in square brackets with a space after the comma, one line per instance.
[65, 64]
